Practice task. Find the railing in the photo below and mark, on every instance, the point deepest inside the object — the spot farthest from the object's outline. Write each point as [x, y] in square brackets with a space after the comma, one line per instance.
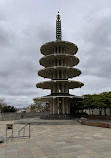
[11, 126]
[23, 129]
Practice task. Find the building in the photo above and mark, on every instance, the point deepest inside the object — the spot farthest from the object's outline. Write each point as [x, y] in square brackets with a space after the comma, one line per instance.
[58, 60]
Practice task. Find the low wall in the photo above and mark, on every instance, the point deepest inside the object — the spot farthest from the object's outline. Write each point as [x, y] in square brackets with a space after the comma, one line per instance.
[97, 117]
[9, 116]
[97, 124]
[17, 116]
[96, 111]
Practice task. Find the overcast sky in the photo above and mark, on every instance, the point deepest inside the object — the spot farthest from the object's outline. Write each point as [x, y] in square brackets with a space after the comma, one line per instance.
[27, 24]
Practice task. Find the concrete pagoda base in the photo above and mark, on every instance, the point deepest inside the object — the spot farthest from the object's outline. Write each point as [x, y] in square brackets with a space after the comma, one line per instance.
[58, 117]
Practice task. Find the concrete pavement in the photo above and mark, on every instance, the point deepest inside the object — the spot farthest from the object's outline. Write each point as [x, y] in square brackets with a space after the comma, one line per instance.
[58, 141]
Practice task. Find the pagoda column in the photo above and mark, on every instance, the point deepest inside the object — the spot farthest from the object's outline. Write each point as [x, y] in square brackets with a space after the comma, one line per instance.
[68, 106]
[61, 61]
[63, 106]
[58, 87]
[58, 104]
[51, 108]
[62, 87]
[54, 106]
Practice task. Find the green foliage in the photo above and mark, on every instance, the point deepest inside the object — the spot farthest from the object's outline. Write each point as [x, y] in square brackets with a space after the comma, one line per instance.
[8, 108]
[102, 100]
[4, 108]
[2, 102]
[32, 107]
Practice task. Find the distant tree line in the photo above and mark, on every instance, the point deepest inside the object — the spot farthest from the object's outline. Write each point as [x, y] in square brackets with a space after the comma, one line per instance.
[4, 108]
[100, 101]
[39, 107]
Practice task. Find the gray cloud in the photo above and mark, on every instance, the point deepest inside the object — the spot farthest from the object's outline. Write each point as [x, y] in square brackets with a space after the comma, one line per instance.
[98, 40]
[95, 53]
[24, 29]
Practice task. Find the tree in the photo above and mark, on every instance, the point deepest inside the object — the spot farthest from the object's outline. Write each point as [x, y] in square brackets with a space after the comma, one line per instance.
[89, 102]
[2, 103]
[32, 107]
[106, 101]
[99, 101]
[8, 108]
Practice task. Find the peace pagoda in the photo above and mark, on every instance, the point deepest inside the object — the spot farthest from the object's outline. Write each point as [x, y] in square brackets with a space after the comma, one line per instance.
[58, 61]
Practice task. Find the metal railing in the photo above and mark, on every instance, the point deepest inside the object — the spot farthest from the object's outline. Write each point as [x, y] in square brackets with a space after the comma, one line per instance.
[11, 127]
[23, 129]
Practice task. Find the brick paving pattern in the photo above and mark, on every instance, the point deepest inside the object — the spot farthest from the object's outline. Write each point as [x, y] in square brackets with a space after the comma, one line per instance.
[58, 141]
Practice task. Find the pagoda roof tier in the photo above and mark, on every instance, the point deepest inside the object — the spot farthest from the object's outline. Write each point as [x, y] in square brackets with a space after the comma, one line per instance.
[57, 95]
[48, 48]
[48, 72]
[49, 84]
[47, 61]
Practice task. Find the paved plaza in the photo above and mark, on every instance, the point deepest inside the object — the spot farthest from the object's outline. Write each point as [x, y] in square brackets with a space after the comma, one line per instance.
[58, 141]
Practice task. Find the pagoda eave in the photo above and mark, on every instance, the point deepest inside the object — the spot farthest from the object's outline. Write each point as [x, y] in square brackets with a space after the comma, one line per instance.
[49, 84]
[47, 61]
[47, 48]
[57, 95]
[47, 72]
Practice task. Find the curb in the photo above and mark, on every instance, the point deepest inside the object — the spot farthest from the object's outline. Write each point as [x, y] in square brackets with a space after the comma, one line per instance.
[96, 124]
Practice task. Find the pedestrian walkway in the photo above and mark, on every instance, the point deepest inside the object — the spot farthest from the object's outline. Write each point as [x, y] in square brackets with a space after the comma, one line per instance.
[58, 141]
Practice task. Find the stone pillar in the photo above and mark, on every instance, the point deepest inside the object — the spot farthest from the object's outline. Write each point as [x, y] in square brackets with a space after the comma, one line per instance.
[57, 73]
[60, 50]
[62, 73]
[51, 108]
[61, 61]
[67, 106]
[66, 74]
[57, 50]
[54, 74]
[57, 87]
[63, 106]
[54, 62]
[54, 88]
[64, 62]
[62, 87]
[63, 50]
[54, 50]
[66, 88]
[58, 104]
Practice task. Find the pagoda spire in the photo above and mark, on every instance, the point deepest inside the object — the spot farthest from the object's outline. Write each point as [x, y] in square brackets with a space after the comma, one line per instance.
[58, 28]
